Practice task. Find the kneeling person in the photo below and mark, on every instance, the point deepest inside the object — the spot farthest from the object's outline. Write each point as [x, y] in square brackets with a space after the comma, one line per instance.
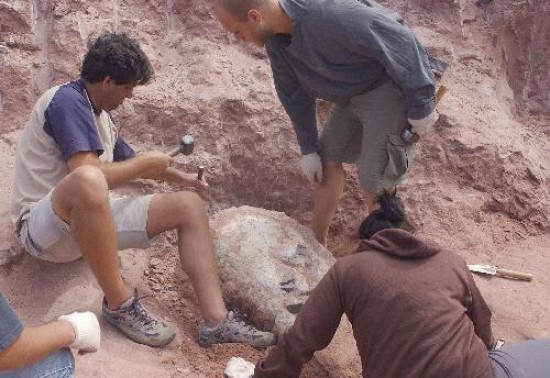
[414, 308]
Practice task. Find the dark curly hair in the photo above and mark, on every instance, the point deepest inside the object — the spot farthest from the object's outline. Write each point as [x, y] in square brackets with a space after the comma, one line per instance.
[118, 56]
[391, 214]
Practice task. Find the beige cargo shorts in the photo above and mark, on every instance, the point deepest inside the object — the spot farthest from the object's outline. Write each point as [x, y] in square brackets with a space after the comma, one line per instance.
[367, 131]
[46, 236]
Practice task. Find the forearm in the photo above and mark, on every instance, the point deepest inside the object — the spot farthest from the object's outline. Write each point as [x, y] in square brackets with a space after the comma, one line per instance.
[299, 104]
[305, 126]
[35, 343]
[480, 314]
[169, 175]
[406, 62]
[312, 330]
[118, 173]
[302, 111]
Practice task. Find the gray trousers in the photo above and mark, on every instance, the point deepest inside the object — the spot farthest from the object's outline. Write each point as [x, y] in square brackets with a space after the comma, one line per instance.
[527, 359]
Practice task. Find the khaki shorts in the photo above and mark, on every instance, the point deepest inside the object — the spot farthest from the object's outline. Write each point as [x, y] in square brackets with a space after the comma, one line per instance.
[46, 236]
[367, 131]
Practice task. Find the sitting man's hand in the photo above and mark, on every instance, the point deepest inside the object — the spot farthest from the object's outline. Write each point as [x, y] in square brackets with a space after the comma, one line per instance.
[312, 167]
[424, 125]
[86, 329]
[155, 163]
[191, 180]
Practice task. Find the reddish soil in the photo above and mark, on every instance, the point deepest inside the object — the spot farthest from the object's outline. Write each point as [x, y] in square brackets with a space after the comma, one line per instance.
[480, 185]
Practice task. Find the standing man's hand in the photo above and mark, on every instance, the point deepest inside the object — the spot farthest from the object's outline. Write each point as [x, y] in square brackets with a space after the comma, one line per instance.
[424, 125]
[86, 330]
[312, 167]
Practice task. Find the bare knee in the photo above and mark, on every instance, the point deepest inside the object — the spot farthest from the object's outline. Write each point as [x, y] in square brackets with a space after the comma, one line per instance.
[85, 186]
[189, 209]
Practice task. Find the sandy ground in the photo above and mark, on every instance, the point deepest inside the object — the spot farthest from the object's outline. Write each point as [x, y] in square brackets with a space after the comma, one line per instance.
[480, 185]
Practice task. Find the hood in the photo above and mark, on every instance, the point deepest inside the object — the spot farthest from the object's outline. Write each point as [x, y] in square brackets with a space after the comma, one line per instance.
[398, 243]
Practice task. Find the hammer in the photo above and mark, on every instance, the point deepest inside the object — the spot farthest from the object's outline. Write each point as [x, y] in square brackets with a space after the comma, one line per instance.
[187, 143]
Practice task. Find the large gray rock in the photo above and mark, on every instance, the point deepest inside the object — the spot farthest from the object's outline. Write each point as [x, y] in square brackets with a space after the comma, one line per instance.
[268, 264]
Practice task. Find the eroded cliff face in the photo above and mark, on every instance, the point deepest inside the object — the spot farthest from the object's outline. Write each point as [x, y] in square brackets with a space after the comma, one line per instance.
[521, 30]
[480, 183]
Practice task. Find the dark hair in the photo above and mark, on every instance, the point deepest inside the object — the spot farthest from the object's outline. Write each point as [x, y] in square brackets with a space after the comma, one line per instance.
[240, 8]
[391, 214]
[118, 56]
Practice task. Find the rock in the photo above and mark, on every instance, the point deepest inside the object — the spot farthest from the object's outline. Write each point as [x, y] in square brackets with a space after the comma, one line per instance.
[268, 265]
[10, 247]
[238, 367]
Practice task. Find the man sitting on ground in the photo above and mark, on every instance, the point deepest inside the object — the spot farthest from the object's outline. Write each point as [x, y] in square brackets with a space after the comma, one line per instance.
[69, 157]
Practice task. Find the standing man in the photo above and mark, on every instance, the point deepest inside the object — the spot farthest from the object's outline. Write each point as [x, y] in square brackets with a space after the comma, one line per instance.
[358, 55]
[69, 157]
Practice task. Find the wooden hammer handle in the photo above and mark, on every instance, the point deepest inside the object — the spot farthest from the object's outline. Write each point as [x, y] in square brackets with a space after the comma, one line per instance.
[513, 274]
[440, 93]
[174, 151]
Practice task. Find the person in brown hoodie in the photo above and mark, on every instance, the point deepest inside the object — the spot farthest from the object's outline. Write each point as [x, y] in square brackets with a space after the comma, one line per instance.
[415, 310]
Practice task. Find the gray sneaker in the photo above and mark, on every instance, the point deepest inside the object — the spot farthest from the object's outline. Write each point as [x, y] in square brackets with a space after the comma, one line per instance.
[138, 324]
[234, 330]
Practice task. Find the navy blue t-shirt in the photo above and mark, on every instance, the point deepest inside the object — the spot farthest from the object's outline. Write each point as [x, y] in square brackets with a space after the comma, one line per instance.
[70, 122]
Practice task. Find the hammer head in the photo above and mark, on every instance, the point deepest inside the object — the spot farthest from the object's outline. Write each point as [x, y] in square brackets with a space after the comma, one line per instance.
[187, 144]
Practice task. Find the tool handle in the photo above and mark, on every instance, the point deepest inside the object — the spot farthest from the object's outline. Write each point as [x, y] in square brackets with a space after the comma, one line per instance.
[440, 93]
[513, 274]
[200, 172]
[174, 152]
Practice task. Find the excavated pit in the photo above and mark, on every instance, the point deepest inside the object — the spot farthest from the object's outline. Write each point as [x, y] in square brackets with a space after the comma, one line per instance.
[480, 184]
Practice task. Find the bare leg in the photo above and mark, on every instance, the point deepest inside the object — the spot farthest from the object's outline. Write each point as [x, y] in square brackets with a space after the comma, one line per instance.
[327, 197]
[82, 200]
[184, 211]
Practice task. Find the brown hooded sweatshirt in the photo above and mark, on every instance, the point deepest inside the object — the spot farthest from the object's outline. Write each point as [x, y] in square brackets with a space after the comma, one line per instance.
[414, 308]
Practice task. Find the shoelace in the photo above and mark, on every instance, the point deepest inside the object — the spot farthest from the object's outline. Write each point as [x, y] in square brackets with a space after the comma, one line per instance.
[141, 314]
[240, 317]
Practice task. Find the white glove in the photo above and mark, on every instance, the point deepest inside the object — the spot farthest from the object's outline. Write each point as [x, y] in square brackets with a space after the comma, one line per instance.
[86, 329]
[238, 367]
[312, 167]
[424, 125]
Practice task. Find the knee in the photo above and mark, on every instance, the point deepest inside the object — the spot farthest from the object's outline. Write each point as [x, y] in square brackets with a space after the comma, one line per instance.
[88, 186]
[189, 208]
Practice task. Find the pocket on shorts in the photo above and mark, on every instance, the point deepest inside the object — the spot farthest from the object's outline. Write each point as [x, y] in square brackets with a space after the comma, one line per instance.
[27, 242]
[400, 157]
